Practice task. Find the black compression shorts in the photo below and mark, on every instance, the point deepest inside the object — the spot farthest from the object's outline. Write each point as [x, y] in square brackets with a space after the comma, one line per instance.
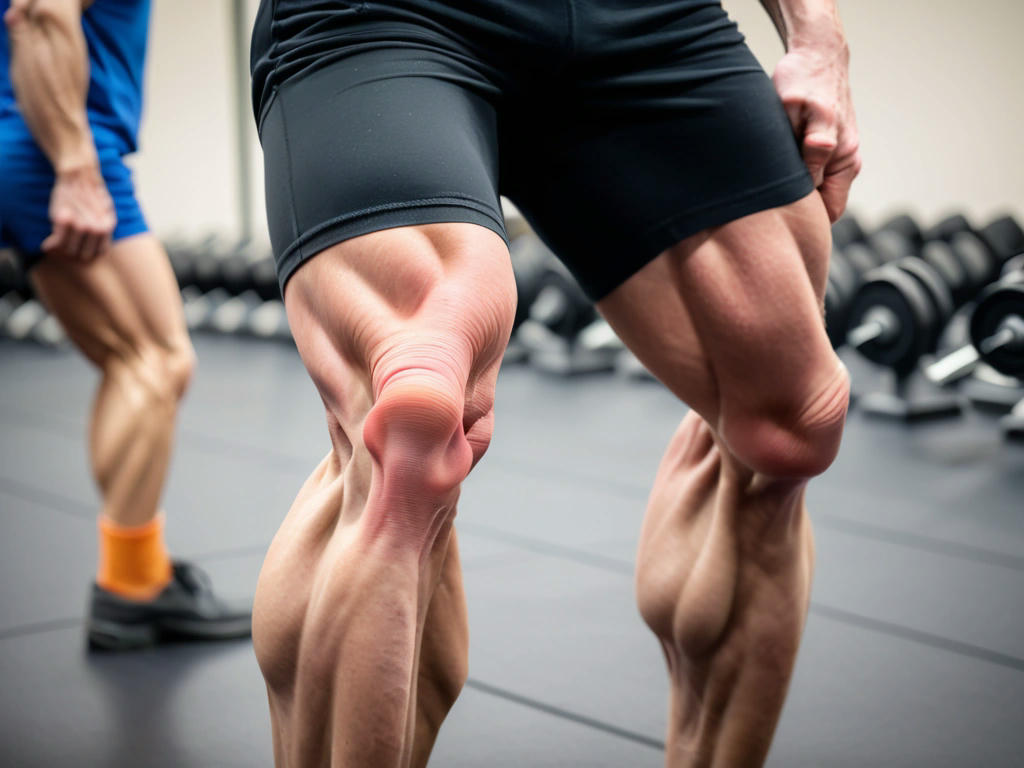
[618, 127]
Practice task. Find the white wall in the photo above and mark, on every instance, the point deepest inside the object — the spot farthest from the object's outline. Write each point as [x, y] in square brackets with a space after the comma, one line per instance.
[938, 85]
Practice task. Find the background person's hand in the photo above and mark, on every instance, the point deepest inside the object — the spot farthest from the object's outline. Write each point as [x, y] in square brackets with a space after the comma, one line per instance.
[813, 84]
[82, 215]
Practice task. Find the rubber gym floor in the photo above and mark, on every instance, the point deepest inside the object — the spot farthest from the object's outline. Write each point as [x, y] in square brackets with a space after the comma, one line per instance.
[913, 654]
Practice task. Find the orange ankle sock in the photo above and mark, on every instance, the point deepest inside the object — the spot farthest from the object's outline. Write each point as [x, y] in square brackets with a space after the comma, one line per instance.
[133, 559]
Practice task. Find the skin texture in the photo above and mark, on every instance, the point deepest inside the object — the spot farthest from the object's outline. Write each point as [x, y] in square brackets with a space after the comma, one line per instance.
[731, 322]
[123, 311]
[402, 332]
[359, 623]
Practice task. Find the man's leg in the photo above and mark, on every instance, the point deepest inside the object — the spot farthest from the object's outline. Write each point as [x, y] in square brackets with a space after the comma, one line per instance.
[402, 332]
[731, 321]
[444, 656]
[124, 313]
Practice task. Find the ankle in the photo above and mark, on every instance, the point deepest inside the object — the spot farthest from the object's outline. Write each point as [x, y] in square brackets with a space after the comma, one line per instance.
[133, 560]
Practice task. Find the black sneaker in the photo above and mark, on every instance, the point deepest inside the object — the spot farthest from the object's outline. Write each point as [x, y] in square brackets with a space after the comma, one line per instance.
[186, 609]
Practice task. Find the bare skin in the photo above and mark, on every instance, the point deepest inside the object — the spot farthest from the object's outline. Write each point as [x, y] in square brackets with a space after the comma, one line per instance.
[731, 322]
[123, 311]
[401, 332]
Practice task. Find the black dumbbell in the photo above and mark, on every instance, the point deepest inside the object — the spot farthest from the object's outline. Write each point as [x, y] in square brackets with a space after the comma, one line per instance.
[996, 331]
[245, 314]
[904, 227]
[843, 281]
[1012, 425]
[945, 228]
[846, 231]
[964, 262]
[531, 260]
[264, 278]
[1004, 237]
[897, 316]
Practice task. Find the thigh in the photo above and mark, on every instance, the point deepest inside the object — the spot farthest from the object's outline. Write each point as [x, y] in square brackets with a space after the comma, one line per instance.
[125, 303]
[664, 131]
[731, 319]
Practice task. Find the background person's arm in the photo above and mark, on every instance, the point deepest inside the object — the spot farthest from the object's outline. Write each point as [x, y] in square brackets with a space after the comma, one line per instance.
[50, 75]
[812, 80]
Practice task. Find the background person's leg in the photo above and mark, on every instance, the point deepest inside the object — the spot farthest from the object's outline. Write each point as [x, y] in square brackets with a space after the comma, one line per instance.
[731, 321]
[402, 331]
[123, 311]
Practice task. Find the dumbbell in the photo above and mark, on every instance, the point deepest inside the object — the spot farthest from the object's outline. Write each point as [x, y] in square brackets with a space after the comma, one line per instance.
[530, 262]
[996, 331]
[1012, 425]
[246, 314]
[847, 266]
[897, 317]
[847, 230]
[1004, 237]
[561, 332]
[945, 228]
[964, 262]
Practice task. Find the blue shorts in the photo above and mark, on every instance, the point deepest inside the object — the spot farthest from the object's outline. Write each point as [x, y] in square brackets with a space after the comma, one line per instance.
[26, 181]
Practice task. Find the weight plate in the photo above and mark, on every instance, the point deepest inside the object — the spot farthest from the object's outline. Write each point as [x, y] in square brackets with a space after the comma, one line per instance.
[842, 273]
[937, 291]
[847, 230]
[835, 323]
[938, 254]
[977, 260]
[890, 245]
[904, 225]
[893, 289]
[998, 302]
[861, 258]
[947, 227]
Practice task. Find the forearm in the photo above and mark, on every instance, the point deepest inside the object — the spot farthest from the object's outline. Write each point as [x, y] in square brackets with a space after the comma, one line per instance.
[805, 23]
[50, 76]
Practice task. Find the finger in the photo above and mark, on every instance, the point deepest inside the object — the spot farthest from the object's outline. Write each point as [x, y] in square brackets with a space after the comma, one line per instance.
[795, 112]
[73, 243]
[54, 244]
[819, 143]
[835, 190]
[91, 245]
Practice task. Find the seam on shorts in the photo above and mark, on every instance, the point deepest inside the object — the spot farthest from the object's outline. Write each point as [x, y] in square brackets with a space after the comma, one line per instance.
[291, 176]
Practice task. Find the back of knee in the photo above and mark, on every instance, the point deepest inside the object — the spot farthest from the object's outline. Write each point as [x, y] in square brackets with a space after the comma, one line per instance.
[796, 440]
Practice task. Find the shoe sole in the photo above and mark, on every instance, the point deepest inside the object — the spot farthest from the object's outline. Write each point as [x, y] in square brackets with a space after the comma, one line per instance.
[116, 636]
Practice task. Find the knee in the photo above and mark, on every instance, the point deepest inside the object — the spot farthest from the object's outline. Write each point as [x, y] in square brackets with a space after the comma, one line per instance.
[155, 375]
[794, 440]
[179, 365]
[415, 434]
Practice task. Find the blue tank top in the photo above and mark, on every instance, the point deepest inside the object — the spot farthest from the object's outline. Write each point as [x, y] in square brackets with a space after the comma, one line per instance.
[115, 32]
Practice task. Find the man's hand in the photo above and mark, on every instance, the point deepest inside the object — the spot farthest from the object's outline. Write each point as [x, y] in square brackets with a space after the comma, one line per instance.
[812, 81]
[82, 215]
